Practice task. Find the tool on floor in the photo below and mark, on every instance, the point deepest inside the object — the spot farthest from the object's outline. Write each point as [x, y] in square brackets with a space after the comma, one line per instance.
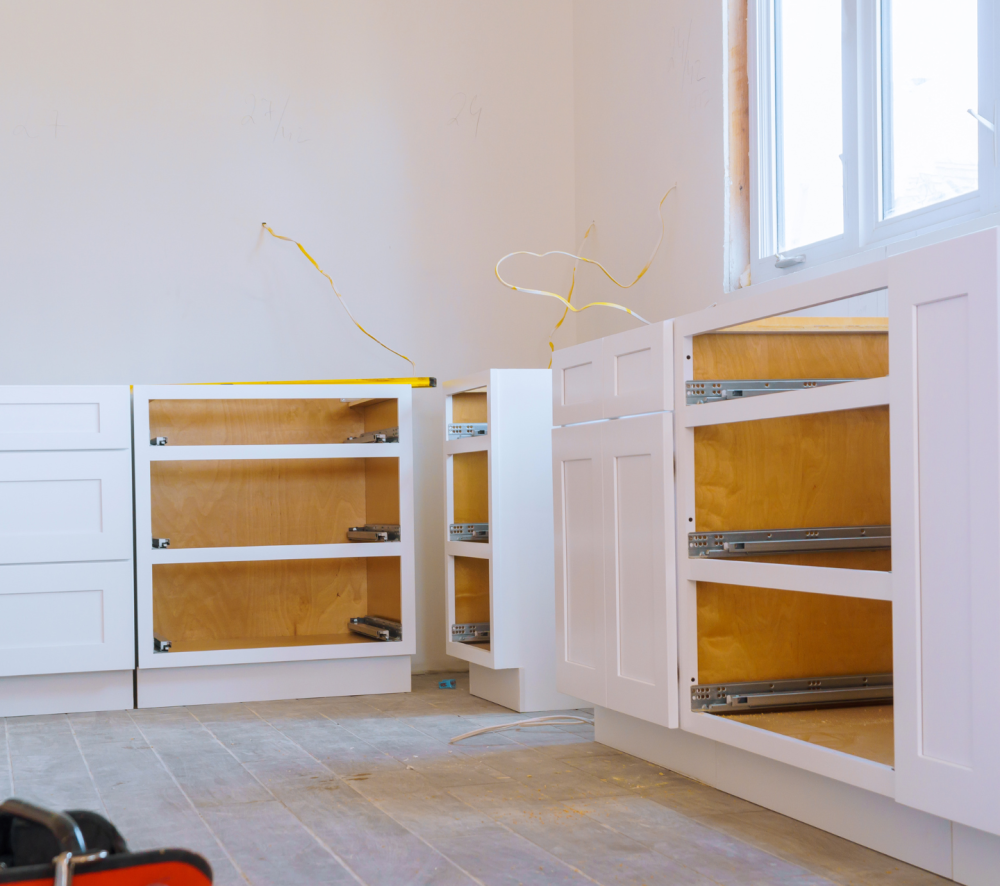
[446, 684]
[40, 846]
[555, 720]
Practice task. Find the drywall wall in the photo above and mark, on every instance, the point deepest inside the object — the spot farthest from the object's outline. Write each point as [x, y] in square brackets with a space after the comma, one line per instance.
[649, 114]
[408, 146]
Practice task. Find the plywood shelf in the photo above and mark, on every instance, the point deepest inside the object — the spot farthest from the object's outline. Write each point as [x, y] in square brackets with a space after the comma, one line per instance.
[864, 731]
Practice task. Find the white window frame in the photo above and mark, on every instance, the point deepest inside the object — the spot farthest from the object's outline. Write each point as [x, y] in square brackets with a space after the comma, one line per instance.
[866, 234]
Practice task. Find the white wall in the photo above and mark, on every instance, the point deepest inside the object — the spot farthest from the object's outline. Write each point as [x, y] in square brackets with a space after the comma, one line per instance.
[648, 81]
[142, 144]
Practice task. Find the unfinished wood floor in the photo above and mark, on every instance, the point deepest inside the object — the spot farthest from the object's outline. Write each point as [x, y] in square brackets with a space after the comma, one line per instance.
[368, 790]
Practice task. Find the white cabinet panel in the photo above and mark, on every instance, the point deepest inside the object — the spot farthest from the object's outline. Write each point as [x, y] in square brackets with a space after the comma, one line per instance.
[45, 417]
[637, 370]
[64, 506]
[577, 384]
[945, 438]
[65, 618]
[640, 586]
[577, 484]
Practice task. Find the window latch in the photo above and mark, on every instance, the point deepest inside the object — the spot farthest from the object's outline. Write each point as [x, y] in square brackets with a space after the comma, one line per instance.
[990, 126]
[788, 261]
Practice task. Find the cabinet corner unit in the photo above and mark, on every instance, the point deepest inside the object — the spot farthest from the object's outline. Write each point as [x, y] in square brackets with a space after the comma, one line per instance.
[274, 529]
[67, 638]
[498, 552]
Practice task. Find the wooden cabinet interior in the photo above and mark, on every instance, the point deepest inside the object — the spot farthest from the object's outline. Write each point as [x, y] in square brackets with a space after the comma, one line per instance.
[865, 731]
[795, 347]
[472, 591]
[202, 606]
[469, 407]
[826, 469]
[231, 503]
[470, 483]
[267, 422]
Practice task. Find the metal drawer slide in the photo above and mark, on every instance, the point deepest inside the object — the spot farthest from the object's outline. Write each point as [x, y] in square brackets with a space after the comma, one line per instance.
[735, 389]
[374, 532]
[471, 633]
[786, 541]
[466, 429]
[386, 435]
[377, 628]
[779, 695]
[469, 532]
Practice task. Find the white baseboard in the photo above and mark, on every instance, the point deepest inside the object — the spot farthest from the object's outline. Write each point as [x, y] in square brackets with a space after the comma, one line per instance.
[267, 681]
[853, 813]
[65, 693]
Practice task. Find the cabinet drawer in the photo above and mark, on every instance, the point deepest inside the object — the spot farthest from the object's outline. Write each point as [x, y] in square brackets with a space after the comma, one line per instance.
[577, 384]
[65, 506]
[64, 417]
[637, 371]
[66, 617]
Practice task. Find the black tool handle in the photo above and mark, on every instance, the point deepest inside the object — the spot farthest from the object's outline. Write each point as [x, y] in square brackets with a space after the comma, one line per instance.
[62, 827]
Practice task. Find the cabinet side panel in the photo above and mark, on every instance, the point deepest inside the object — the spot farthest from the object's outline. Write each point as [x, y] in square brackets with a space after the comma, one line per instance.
[945, 599]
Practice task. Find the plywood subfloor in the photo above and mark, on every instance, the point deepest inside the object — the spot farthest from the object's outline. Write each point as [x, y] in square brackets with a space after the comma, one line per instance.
[864, 731]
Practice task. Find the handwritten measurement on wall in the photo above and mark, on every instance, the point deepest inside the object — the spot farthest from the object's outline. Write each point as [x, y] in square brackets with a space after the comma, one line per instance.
[275, 119]
[466, 112]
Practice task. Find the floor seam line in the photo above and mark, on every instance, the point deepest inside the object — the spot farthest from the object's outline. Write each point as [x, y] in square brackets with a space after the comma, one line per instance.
[354, 790]
[184, 794]
[510, 830]
[302, 824]
[90, 772]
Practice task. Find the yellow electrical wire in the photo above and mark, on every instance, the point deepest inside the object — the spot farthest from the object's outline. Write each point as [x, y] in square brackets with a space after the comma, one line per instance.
[589, 261]
[333, 286]
[569, 297]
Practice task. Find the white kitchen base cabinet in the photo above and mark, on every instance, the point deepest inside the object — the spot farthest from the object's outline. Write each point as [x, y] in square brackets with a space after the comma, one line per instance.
[67, 641]
[274, 528]
[498, 556]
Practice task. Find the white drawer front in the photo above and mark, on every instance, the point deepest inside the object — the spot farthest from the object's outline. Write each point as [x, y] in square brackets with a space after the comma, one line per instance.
[66, 617]
[576, 384]
[63, 506]
[637, 371]
[64, 417]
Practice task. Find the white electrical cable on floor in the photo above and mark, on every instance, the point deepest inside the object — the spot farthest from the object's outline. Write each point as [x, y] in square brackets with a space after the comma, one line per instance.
[556, 720]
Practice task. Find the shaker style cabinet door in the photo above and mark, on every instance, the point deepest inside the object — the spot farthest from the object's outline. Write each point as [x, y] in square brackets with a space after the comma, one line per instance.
[639, 570]
[945, 438]
[577, 484]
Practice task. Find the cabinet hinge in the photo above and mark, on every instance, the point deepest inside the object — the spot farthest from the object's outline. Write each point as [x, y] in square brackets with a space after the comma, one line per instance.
[787, 541]
[773, 695]
[713, 391]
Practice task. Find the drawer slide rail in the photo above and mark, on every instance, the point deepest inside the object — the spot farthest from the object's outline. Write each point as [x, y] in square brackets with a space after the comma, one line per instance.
[466, 429]
[744, 543]
[736, 389]
[781, 695]
[377, 628]
[471, 633]
[469, 532]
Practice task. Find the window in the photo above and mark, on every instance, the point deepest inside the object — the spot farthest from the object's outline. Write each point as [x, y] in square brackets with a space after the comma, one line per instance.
[871, 121]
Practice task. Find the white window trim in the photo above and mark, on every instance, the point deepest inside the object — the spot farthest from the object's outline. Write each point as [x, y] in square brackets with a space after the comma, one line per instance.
[865, 236]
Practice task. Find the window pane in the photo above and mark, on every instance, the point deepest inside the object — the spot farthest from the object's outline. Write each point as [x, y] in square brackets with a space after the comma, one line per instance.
[929, 81]
[809, 126]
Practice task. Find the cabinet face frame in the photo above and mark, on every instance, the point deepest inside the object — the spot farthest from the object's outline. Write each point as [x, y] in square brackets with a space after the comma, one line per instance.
[147, 557]
[769, 300]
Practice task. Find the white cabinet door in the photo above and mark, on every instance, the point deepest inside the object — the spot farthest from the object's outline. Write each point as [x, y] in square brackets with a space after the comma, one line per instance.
[45, 417]
[65, 506]
[577, 384]
[639, 567]
[576, 474]
[945, 432]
